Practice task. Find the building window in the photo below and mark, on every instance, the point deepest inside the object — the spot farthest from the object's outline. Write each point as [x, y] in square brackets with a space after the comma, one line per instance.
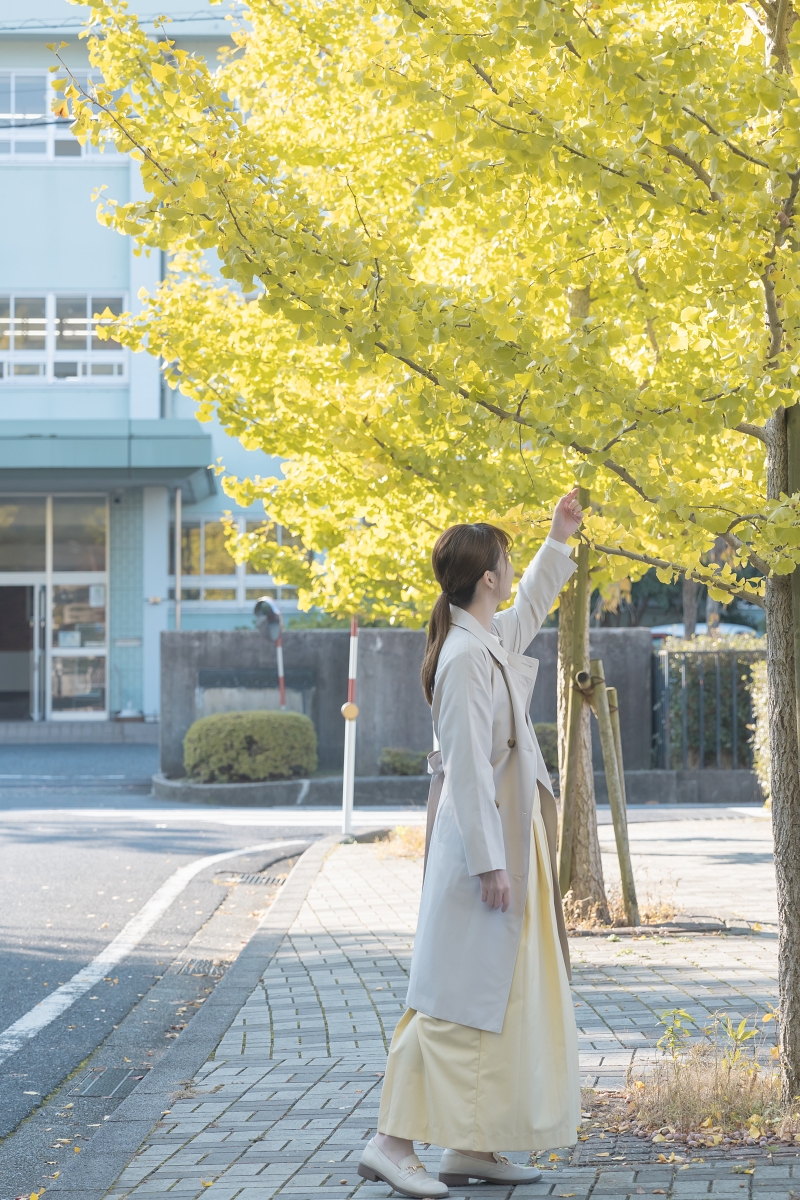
[29, 130]
[54, 339]
[209, 573]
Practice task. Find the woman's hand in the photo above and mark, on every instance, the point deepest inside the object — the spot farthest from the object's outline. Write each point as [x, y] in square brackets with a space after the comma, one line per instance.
[567, 517]
[495, 889]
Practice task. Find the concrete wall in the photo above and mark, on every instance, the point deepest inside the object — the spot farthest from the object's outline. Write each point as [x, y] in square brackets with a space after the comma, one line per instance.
[626, 655]
[392, 708]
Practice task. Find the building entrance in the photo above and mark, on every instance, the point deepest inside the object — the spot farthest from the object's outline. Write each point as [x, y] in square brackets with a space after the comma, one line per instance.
[53, 603]
[17, 636]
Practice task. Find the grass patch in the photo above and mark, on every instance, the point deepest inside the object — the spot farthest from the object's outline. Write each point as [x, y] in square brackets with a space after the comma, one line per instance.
[406, 841]
[656, 905]
[722, 1089]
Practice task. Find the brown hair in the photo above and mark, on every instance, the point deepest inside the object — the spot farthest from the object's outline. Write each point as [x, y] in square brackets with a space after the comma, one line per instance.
[462, 554]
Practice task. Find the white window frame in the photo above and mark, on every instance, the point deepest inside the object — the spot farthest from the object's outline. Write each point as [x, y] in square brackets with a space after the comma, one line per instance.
[240, 582]
[45, 129]
[48, 358]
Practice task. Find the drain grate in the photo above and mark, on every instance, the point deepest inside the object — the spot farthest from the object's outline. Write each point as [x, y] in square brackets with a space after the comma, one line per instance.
[269, 880]
[103, 1083]
[202, 966]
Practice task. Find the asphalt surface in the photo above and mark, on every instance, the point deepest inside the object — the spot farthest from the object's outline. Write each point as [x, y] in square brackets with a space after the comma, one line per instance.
[78, 859]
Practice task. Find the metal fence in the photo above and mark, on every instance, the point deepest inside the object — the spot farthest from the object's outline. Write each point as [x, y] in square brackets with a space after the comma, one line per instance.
[702, 712]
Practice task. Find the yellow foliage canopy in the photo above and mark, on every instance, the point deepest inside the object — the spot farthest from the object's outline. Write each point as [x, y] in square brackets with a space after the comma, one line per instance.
[470, 254]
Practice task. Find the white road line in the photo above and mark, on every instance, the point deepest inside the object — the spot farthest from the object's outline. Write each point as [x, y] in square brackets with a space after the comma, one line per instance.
[284, 818]
[16, 1035]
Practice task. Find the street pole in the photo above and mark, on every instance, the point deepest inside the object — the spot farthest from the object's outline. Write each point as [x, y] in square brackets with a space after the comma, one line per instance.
[178, 519]
[279, 655]
[350, 712]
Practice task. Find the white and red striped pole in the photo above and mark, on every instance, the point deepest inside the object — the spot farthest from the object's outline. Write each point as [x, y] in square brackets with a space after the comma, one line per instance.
[350, 712]
[279, 653]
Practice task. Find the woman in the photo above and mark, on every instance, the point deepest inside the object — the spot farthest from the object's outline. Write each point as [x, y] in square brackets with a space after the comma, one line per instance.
[485, 1056]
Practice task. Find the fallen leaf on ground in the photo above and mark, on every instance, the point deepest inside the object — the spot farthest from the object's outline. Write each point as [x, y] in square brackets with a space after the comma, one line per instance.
[554, 1158]
[77, 1149]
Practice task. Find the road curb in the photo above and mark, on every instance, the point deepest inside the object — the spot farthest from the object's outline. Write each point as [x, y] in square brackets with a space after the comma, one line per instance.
[113, 1146]
[312, 793]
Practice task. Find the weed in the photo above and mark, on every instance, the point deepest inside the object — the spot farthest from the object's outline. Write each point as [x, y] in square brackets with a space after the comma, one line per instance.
[719, 1089]
[406, 841]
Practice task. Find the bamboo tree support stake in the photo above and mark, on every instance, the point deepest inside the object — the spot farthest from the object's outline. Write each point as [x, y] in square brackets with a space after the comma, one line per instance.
[612, 758]
[613, 705]
[575, 704]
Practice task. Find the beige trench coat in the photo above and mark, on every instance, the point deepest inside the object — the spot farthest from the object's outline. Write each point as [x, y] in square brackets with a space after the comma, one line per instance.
[464, 951]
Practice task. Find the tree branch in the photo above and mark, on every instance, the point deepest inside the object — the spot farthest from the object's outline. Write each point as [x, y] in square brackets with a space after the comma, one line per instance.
[756, 431]
[754, 559]
[696, 168]
[688, 572]
[734, 149]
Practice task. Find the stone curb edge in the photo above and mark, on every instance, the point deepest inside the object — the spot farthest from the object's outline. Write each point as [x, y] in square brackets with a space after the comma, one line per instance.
[325, 791]
[113, 1146]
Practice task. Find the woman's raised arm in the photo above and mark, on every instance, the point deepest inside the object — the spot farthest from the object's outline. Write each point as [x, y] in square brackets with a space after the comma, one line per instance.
[542, 581]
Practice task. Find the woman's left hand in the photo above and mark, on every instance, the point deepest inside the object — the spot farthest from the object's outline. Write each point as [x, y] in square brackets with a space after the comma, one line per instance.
[567, 517]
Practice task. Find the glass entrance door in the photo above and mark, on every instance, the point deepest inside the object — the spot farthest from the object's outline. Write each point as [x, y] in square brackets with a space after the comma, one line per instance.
[16, 653]
[53, 606]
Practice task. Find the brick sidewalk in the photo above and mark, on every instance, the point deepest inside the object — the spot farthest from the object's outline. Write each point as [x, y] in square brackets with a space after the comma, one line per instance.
[291, 1093]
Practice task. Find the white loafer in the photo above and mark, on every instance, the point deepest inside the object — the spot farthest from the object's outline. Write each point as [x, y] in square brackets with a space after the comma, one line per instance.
[409, 1177]
[456, 1170]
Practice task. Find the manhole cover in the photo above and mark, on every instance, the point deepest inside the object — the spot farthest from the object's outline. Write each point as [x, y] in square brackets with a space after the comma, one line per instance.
[271, 880]
[105, 1082]
[202, 966]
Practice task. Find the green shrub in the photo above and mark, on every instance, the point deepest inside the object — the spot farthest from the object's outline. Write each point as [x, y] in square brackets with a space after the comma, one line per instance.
[240, 747]
[547, 737]
[403, 762]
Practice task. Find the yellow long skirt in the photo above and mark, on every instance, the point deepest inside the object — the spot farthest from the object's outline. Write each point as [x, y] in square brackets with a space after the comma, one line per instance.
[467, 1089]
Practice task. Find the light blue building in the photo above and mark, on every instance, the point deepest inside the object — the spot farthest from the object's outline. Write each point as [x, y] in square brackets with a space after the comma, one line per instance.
[92, 445]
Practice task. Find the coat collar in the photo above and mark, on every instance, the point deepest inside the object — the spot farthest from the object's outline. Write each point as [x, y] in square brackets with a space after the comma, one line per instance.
[465, 620]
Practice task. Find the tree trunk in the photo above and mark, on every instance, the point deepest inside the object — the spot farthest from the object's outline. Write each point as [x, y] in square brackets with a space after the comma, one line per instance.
[785, 766]
[690, 590]
[587, 893]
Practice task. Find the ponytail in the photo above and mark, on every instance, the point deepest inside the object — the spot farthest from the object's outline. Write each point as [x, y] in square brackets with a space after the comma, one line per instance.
[461, 556]
[438, 629]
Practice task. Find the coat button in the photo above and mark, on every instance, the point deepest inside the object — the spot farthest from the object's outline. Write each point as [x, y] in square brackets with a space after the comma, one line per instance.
[512, 743]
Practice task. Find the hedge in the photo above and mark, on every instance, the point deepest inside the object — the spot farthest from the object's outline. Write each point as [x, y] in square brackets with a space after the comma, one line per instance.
[395, 761]
[244, 747]
[547, 737]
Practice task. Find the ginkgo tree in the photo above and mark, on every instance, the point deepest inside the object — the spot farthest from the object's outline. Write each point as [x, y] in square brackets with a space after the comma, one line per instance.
[465, 254]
